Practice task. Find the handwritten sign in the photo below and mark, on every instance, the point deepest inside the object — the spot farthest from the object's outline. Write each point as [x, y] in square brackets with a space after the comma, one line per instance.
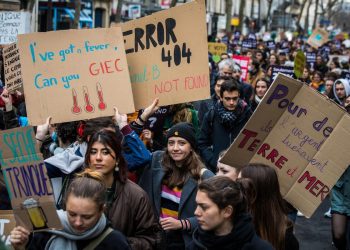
[249, 44]
[12, 65]
[304, 137]
[318, 38]
[167, 55]
[26, 180]
[286, 70]
[7, 223]
[12, 24]
[216, 49]
[299, 64]
[271, 45]
[242, 61]
[75, 74]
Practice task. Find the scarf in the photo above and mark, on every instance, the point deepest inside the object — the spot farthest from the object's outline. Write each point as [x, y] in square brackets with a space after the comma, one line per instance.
[242, 234]
[257, 99]
[65, 238]
[229, 118]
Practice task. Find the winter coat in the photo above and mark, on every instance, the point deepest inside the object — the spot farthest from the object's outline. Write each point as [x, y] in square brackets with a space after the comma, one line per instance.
[242, 237]
[151, 181]
[214, 137]
[113, 241]
[131, 213]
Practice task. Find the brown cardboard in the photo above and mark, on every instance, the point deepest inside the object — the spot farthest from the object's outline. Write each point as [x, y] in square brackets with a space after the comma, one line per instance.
[12, 68]
[26, 180]
[7, 223]
[318, 38]
[307, 169]
[184, 29]
[93, 61]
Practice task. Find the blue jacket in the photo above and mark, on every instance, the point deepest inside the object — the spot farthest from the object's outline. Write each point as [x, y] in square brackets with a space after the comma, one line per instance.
[151, 181]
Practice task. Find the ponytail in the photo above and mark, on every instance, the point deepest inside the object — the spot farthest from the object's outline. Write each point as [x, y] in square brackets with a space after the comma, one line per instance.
[88, 184]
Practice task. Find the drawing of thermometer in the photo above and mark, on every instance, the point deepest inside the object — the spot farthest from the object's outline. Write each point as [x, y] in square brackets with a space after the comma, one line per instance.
[88, 106]
[75, 109]
[101, 105]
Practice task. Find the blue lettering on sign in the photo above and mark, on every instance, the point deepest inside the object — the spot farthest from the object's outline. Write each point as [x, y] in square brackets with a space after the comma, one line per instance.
[27, 181]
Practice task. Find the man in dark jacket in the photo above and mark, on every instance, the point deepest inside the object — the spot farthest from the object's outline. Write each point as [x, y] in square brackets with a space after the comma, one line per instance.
[222, 123]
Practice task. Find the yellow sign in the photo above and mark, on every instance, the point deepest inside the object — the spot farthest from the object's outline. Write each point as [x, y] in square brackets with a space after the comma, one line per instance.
[235, 21]
[299, 64]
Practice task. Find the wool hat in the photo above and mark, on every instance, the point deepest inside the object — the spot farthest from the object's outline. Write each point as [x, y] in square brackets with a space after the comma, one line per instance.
[184, 130]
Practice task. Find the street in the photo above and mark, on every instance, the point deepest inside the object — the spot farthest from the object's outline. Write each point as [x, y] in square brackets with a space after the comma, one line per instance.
[315, 233]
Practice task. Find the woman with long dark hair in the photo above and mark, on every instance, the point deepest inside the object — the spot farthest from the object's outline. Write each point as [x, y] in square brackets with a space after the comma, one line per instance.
[269, 209]
[224, 222]
[171, 178]
[128, 207]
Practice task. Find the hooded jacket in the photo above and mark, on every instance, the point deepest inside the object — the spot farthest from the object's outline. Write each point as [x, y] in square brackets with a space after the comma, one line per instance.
[346, 85]
[242, 237]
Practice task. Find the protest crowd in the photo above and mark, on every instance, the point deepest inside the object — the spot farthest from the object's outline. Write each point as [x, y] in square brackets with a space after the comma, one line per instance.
[153, 179]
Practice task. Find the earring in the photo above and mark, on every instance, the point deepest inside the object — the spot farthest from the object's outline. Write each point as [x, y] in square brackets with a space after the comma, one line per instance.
[116, 169]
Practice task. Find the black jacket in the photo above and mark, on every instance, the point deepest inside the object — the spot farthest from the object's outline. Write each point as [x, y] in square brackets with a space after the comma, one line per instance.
[242, 237]
[114, 240]
[214, 137]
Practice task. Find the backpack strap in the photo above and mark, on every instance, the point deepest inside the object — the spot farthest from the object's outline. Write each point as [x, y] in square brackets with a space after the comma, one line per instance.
[93, 244]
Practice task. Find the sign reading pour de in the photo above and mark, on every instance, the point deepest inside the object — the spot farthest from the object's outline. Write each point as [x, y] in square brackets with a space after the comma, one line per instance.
[26, 180]
[167, 55]
[74, 75]
[305, 137]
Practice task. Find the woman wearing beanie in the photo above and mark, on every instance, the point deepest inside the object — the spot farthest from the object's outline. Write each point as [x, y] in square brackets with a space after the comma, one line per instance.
[171, 179]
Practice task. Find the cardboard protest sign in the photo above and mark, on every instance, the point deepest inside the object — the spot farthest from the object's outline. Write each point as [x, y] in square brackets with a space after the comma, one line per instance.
[242, 61]
[75, 74]
[7, 223]
[286, 70]
[167, 54]
[26, 180]
[12, 65]
[310, 57]
[299, 64]
[216, 49]
[12, 24]
[249, 44]
[318, 38]
[303, 135]
[271, 45]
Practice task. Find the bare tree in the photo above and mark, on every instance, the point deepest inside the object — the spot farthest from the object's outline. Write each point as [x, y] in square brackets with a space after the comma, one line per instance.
[77, 8]
[301, 12]
[173, 3]
[268, 18]
[241, 15]
[228, 5]
[307, 16]
[118, 14]
[316, 14]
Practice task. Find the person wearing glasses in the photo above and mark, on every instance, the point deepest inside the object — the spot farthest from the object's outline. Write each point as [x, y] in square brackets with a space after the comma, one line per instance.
[222, 123]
